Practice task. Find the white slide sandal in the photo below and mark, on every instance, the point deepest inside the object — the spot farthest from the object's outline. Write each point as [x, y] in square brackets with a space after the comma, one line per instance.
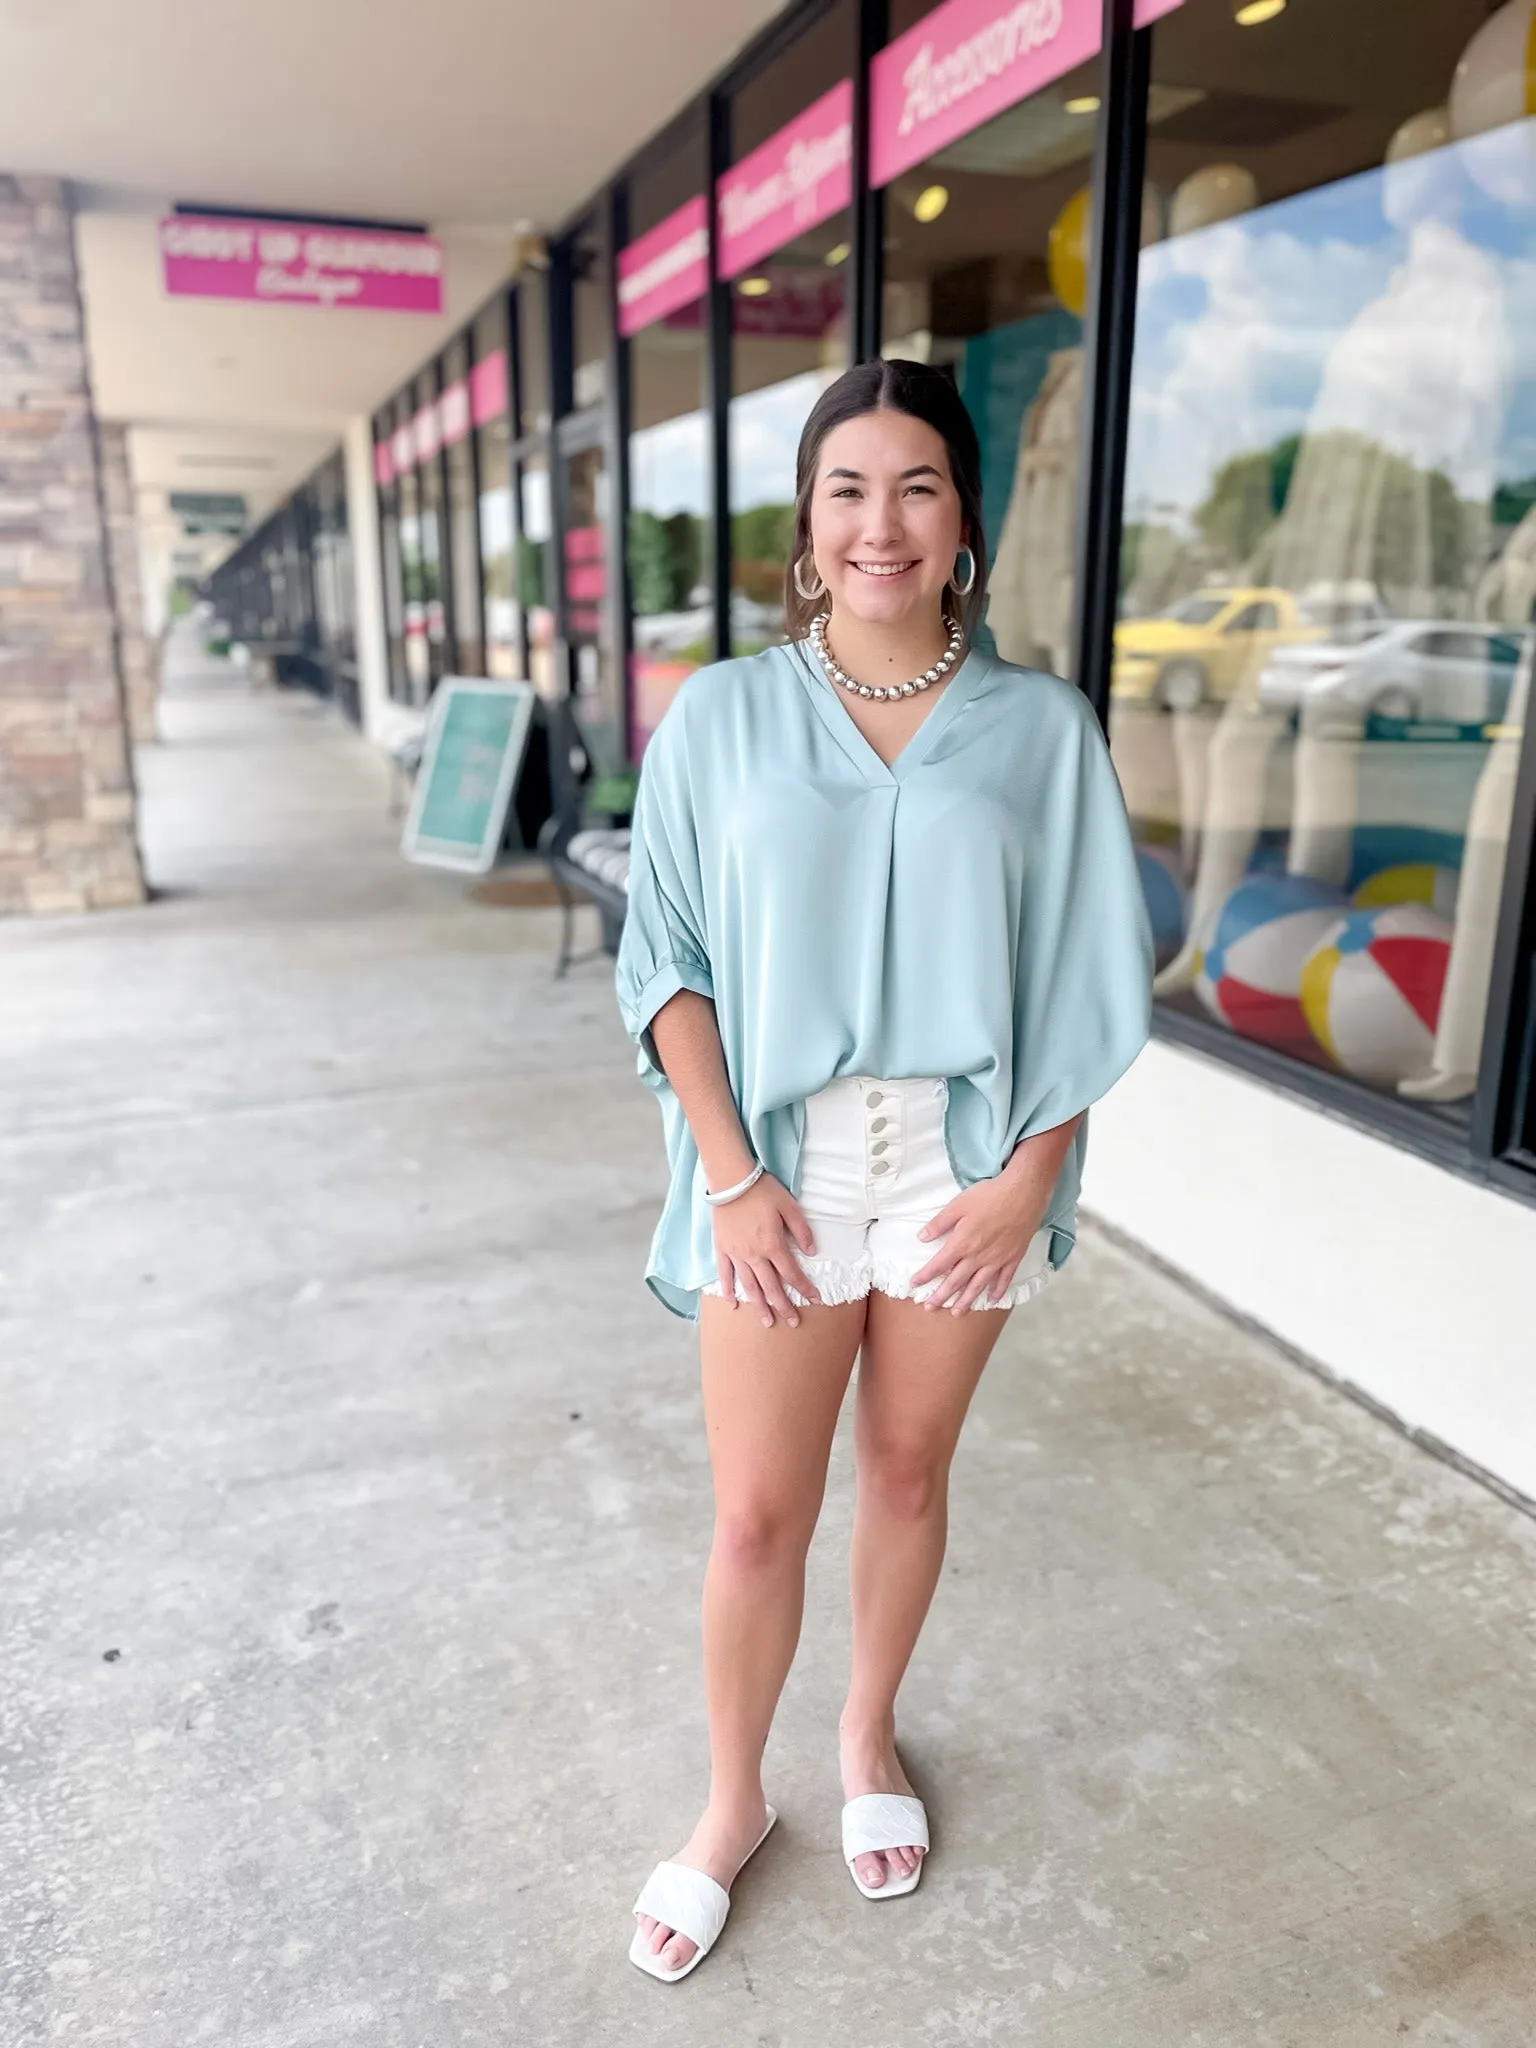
[884, 1820]
[691, 1903]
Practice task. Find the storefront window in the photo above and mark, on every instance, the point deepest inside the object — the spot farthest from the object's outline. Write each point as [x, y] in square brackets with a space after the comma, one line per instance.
[1329, 564]
[389, 549]
[591, 315]
[785, 234]
[490, 408]
[463, 515]
[535, 577]
[413, 581]
[986, 254]
[428, 437]
[663, 282]
[533, 349]
[588, 523]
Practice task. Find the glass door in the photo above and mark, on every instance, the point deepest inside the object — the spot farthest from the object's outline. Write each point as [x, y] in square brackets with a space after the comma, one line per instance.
[587, 585]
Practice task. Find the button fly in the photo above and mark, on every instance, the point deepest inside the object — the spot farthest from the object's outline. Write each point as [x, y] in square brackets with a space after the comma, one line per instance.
[875, 1098]
[881, 1166]
[879, 1123]
[878, 1147]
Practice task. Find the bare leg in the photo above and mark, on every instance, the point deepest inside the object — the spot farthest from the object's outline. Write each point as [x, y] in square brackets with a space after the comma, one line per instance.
[916, 1380]
[771, 1403]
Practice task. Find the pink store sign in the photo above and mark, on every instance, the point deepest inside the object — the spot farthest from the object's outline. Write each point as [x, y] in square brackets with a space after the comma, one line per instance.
[488, 387]
[665, 269]
[797, 179]
[970, 59]
[203, 256]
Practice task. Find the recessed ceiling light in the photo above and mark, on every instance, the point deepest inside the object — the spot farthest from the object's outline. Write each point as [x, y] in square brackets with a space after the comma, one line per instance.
[1249, 13]
[1089, 102]
[755, 287]
[930, 203]
[837, 254]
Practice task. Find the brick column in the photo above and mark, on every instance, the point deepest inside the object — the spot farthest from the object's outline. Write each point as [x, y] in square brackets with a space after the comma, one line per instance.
[66, 788]
[135, 655]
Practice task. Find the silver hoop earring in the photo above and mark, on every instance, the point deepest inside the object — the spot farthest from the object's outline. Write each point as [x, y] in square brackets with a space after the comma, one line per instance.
[810, 596]
[964, 589]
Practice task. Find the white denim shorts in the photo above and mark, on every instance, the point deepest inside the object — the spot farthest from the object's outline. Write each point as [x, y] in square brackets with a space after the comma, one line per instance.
[874, 1169]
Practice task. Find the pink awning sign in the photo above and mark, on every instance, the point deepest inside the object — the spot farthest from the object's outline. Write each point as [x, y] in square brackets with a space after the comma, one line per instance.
[204, 256]
[796, 180]
[488, 387]
[453, 411]
[426, 433]
[383, 464]
[970, 59]
[666, 268]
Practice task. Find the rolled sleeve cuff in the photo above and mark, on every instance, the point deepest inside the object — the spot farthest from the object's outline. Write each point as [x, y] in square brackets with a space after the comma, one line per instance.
[664, 984]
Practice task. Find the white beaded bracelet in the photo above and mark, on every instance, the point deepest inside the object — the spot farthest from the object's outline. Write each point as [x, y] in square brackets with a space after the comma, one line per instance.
[730, 1194]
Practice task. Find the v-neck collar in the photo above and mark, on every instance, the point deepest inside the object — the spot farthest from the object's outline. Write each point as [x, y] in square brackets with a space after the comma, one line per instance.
[839, 721]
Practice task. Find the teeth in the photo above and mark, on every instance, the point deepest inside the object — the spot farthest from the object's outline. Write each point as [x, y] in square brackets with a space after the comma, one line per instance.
[882, 568]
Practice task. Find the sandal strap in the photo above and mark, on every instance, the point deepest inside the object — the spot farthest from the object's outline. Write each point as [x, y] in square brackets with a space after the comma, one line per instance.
[687, 1900]
[883, 1820]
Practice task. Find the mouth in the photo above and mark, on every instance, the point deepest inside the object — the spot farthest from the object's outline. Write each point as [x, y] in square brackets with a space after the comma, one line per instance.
[883, 569]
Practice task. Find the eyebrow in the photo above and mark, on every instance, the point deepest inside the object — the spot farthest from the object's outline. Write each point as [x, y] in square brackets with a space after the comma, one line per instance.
[858, 476]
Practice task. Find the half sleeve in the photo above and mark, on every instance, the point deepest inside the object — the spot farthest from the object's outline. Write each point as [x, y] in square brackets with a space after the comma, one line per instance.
[664, 945]
[1083, 1000]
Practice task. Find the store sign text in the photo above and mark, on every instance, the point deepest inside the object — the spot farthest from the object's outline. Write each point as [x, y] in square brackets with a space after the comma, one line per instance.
[797, 179]
[664, 269]
[204, 256]
[969, 60]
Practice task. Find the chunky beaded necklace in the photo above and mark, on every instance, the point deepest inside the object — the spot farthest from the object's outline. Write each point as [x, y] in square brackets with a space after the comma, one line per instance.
[941, 667]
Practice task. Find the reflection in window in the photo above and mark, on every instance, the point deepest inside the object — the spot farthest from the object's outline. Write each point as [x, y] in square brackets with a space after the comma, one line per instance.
[986, 273]
[673, 622]
[1329, 565]
[535, 575]
[503, 613]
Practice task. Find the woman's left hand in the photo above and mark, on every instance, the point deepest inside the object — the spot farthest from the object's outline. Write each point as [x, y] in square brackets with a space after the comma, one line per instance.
[989, 1228]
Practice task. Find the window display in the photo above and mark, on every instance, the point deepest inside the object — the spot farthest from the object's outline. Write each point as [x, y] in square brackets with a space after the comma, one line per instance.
[1329, 559]
[663, 278]
[490, 412]
[463, 514]
[784, 226]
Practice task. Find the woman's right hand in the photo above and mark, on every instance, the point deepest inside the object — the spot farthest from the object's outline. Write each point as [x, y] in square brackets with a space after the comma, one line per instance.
[755, 1237]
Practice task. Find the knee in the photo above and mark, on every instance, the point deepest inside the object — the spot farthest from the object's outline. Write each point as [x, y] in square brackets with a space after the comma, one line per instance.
[905, 1482]
[754, 1536]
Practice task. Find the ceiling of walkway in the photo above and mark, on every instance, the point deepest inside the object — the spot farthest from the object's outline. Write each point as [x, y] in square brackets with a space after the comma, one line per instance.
[473, 118]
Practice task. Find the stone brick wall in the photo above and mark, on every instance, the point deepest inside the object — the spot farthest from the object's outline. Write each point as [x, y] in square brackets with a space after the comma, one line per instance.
[66, 788]
[136, 657]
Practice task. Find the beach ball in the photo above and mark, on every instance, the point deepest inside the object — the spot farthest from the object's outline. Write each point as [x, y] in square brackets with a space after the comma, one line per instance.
[1248, 968]
[1414, 881]
[1371, 990]
[1492, 95]
[1164, 890]
[1070, 243]
[1215, 193]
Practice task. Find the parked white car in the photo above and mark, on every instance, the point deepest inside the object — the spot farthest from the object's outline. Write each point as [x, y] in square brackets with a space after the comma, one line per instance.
[1443, 672]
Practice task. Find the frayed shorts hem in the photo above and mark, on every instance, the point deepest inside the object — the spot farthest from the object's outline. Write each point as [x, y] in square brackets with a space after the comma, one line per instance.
[839, 1282]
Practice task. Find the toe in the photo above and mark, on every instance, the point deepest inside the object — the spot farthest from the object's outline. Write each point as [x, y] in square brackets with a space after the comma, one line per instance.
[871, 1867]
[677, 1952]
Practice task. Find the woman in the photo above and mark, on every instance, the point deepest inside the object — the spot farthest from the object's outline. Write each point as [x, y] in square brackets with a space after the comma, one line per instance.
[885, 944]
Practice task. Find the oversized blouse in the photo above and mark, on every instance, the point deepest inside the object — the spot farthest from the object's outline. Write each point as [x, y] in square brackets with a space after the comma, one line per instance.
[971, 912]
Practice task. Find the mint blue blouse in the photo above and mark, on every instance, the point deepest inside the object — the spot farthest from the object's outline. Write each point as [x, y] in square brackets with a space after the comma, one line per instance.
[972, 912]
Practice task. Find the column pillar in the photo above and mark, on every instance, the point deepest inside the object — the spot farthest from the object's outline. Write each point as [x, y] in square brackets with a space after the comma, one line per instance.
[67, 812]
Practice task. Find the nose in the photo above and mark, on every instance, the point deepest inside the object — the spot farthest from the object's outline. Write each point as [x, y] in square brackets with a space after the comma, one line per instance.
[883, 525]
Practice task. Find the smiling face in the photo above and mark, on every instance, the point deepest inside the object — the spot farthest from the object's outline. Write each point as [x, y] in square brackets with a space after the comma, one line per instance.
[885, 519]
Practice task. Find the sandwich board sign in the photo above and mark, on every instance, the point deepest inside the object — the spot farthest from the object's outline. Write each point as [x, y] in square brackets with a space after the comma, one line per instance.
[476, 736]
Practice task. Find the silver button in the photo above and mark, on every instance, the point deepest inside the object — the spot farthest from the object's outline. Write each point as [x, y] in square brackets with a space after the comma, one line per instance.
[879, 1123]
[875, 1098]
[881, 1166]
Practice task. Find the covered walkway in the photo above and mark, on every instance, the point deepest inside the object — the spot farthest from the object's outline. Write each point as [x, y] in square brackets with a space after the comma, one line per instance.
[355, 1502]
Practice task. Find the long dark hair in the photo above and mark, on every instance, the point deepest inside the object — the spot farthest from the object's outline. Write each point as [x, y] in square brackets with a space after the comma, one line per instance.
[891, 385]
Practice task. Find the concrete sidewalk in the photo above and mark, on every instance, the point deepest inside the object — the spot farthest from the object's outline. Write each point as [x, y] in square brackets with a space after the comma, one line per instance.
[355, 1502]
